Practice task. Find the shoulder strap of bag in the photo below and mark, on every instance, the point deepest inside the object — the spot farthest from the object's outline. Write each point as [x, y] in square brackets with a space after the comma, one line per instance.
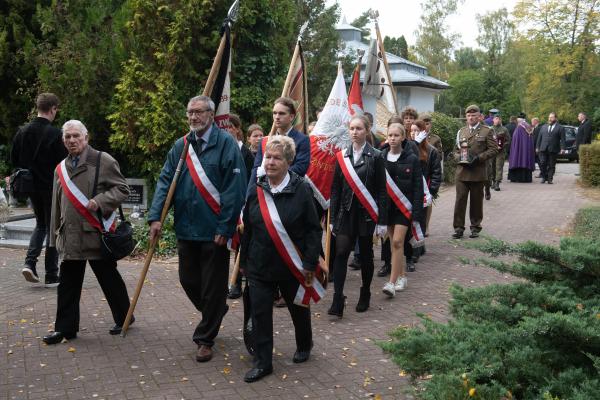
[94, 191]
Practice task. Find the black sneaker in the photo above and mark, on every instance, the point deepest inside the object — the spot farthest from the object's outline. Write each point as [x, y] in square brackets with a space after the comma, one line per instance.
[384, 270]
[51, 281]
[235, 292]
[30, 274]
[410, 266]
[355, 263]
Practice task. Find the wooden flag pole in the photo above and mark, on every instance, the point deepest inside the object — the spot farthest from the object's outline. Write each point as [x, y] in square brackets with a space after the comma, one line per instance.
[210, 82]
[375, 15]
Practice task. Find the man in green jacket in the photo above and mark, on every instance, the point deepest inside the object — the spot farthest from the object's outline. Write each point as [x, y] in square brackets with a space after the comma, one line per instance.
[207, 203]
[496, 164]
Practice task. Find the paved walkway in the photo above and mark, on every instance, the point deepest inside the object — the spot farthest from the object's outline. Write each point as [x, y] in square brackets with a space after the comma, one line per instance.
[156, 359]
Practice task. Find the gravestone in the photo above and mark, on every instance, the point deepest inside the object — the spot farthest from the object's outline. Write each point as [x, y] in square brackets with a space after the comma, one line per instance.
[138, 194]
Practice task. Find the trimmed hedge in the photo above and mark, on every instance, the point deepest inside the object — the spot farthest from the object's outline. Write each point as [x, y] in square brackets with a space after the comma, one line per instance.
[589, 163]
[446, 128]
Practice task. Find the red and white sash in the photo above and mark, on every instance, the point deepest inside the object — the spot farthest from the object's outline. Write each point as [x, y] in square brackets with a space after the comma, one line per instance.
[286, 249]
[207, 190]
[427, 198]
[405, 206]
[80, 201]
[359, 189]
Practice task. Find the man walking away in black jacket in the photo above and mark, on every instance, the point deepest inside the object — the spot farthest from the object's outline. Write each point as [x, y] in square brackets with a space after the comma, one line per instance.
[38, 146]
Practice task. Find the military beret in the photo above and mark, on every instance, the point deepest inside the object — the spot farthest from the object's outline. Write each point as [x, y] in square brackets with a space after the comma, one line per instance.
[472, 109]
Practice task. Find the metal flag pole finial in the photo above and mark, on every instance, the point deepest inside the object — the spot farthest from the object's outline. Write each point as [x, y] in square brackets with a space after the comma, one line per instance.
[302, 29]
[374, 14]
[234, 10]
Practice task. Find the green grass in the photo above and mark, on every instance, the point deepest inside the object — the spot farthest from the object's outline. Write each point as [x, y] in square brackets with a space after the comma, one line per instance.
[587, 222]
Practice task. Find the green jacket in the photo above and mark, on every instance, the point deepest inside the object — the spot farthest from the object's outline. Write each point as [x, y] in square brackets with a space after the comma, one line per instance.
[222, 161]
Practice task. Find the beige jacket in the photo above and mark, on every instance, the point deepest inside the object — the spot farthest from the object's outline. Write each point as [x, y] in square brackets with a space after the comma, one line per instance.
[71, 233]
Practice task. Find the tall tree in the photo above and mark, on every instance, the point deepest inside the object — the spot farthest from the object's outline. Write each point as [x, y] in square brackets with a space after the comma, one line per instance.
[263, 42]
[321, 44]
[19, 33]
[362, 22]
[564, 75]
[434, 41]
[79, 59]
[170, 46]
[396, 45]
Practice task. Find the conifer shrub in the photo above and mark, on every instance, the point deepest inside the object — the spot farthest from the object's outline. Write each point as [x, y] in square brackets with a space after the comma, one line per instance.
[535, 338]
[589, 163]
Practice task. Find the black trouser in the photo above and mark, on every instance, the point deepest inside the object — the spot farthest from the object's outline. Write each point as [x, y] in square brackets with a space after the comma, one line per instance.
[203, 273]
[261, 298]
[42, 208]
[69, 292]
[547, 164]
[344, 245]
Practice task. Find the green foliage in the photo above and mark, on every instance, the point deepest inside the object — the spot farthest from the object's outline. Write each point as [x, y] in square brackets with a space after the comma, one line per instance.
[79, 57]
[589, 163]
[446, 127]
[535, 338]
[586, 222]
[396, 45]
[434, 42]
[167, 244]
[362, 22]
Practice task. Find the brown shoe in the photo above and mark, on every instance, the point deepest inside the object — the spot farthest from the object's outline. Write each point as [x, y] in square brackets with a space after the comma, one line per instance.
[204, 353]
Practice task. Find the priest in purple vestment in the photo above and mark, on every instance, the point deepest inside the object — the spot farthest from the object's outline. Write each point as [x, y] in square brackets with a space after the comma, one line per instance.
[521, 161]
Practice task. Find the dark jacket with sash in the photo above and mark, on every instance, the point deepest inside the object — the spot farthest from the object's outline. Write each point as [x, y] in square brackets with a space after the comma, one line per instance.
[407, 175]
[72, 235]
[258, 256]
[222, 161]
[371, 171]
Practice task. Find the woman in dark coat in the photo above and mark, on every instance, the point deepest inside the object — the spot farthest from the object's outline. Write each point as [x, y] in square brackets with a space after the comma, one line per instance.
[261, 255]
[404, 169]
[353, 217]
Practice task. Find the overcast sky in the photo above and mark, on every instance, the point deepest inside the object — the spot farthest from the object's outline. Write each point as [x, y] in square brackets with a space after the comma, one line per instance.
[397, 18]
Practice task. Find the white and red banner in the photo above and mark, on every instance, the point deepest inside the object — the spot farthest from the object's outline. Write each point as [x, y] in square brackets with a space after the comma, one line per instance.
[405, 206]
[327, 138]
[206, 188]
[355, 103]
[288, 252]
[80, 201]
[359, 189]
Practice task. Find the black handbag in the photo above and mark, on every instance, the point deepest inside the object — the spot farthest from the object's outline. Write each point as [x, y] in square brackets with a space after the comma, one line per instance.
[119, 243]
[21, 180]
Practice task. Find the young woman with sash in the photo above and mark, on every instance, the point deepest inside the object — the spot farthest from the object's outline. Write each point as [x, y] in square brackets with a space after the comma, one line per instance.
[404, 184]
[358, 204]
[280, 249]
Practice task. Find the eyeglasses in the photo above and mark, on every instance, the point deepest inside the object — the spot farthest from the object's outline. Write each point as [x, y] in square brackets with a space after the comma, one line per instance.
[191, 113]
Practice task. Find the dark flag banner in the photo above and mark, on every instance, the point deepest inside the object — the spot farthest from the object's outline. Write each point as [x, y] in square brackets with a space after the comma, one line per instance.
[221, 93]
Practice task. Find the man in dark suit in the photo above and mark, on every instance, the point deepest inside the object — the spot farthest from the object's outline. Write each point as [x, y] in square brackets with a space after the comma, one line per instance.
[584, 132]
[550, 142]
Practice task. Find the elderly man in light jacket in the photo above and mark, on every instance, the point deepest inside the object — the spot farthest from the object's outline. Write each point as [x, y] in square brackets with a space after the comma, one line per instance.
[75, 229]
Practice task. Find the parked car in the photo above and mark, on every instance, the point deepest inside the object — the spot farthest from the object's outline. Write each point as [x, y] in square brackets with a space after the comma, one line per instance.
[570, 153]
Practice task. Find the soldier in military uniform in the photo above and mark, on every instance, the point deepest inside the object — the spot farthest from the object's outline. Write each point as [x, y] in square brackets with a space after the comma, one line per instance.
[475, 145]
[496, 164]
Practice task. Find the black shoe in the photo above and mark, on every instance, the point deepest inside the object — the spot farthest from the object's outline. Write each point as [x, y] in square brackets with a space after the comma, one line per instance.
[474, 235]
[235, 292]
[57, 337]
[30, 274]
[488, 194]
[497, 187]
[457, 234]
[385, 270]
[115, 330]
[549, 181]
[301, 356]
[364, 300]
[543, 180]
[256, 374]
[337, 306]
[355, 263]
[51, 281]
[410, 266]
